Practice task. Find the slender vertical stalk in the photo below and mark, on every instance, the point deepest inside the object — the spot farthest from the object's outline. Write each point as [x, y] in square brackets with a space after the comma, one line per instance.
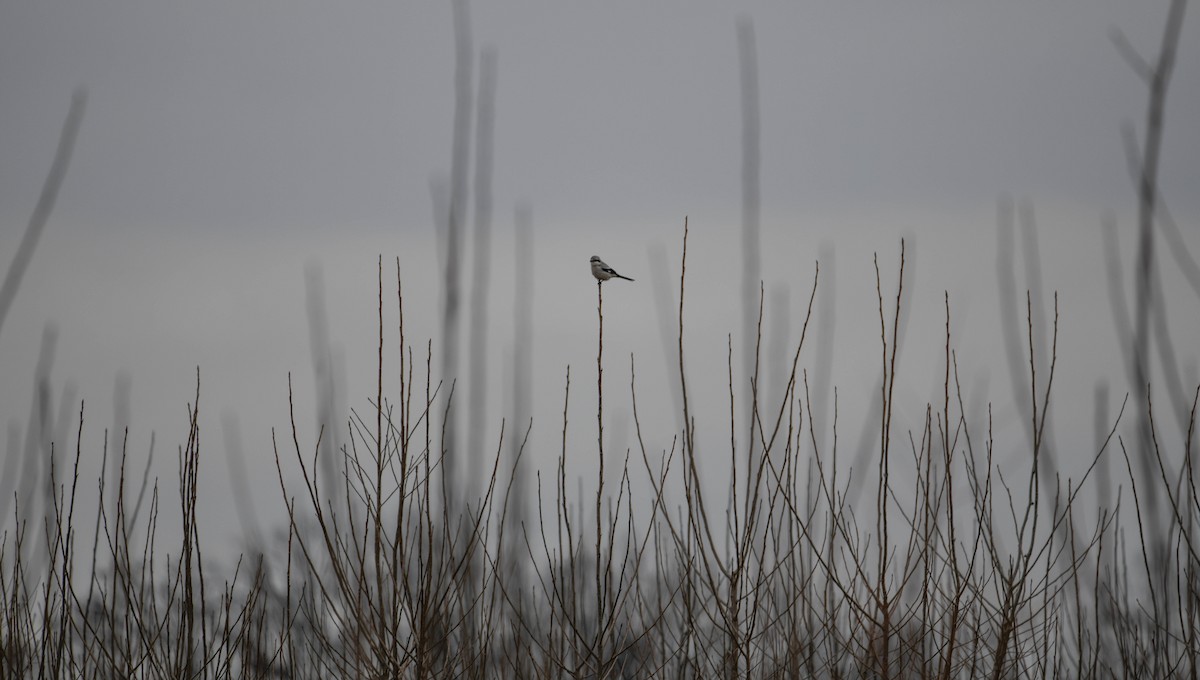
[600, 451]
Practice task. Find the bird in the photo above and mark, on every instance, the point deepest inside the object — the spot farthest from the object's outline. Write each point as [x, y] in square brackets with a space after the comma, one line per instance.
[603, 272]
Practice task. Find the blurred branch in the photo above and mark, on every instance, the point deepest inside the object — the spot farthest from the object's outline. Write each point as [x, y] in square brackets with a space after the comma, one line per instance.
[24, 466]
[325, 374]
[481, 271]
[1006, 285]
[45, 204]
[751, 196]
[460, 148]
[522, 365]
[1178, 248]
[1145, 275]
[1116, 282]
[1130, 55]
[1148, 186]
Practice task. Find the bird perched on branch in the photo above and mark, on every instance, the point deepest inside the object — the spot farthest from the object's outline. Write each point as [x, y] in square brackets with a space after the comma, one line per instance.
[604, 272]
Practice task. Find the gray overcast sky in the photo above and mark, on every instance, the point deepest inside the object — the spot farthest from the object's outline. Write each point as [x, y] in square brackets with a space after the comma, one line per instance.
[288, 115]
[228, 144]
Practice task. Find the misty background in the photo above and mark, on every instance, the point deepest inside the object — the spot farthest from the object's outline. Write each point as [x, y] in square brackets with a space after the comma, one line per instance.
[243, 165]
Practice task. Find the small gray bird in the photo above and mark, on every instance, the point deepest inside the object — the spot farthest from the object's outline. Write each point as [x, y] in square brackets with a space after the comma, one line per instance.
[604, 272]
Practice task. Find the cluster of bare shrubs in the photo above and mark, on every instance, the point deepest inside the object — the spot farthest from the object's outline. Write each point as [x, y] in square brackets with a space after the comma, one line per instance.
[386, 572]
